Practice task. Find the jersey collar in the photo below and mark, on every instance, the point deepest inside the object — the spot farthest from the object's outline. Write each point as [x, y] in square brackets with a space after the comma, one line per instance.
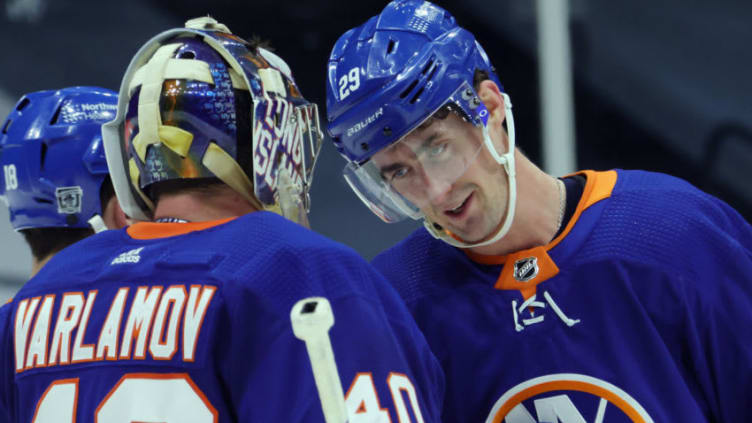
[152, 230]
[523, 270]
[598, 186]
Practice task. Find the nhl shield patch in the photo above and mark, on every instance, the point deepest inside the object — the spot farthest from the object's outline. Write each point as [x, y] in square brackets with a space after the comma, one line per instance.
[69, 199]
[526, 269]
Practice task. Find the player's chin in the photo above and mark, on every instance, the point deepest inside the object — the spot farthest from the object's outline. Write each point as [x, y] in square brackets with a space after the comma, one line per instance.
[473, 238]
[473, 233]
[462, 233]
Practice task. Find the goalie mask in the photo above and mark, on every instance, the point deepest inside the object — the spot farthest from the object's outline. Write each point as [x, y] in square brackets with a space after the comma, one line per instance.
[200, 102]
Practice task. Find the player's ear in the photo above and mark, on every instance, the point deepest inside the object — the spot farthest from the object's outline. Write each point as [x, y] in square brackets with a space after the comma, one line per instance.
[113, 215]
[491, 97]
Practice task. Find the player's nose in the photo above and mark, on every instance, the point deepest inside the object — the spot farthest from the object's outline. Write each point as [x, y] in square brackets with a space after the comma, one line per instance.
[437, 190]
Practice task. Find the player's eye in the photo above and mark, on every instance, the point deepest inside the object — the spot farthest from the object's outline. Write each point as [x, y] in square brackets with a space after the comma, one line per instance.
[436, 150]
[399, 173]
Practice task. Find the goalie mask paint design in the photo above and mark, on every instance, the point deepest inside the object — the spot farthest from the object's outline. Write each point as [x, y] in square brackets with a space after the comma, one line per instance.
[201, 103]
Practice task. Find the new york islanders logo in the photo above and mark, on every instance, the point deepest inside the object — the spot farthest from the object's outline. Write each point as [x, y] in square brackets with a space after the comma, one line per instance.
[567, 398]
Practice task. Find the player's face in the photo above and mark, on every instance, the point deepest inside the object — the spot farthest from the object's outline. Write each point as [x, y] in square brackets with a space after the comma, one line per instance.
[444, 169]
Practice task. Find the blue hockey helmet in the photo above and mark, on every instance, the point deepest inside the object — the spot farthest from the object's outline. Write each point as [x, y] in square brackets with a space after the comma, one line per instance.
[389, 76]
[200, 102]
[52, 157]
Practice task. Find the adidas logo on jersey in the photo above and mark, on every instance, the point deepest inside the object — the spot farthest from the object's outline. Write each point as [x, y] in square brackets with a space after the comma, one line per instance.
[132, 256]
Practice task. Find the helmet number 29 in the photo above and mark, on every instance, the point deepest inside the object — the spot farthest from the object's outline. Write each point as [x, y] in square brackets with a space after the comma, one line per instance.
[11, 181]
[349, 83]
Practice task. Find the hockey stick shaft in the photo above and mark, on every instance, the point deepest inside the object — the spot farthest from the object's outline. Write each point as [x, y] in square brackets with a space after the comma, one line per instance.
[311, 320]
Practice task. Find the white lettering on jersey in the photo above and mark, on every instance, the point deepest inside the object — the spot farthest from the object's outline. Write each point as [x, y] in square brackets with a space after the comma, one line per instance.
[108, 336]
[24, 317]
[139, 321]
[84, 352]
[399, 383]
[362, 401]
[67, 319]
[198, 301]
[154, 320]
[164, 347]
[37, 355]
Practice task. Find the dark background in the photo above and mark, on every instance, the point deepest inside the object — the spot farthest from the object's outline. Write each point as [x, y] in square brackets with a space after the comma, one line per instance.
[662, 86]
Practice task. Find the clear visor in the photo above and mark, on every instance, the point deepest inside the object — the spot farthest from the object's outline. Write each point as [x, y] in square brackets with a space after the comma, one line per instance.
[419, 170]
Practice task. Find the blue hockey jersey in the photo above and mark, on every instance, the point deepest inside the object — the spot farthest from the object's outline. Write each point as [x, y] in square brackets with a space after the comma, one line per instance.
[190, 322]
[639, 311]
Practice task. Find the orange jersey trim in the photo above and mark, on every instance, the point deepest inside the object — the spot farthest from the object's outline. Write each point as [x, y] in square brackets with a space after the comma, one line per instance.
[547, 270]
[598, 186]
[150, 230]
[602, 186]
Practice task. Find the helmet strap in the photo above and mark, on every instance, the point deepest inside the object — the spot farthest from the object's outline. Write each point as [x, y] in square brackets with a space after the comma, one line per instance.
[229, 171]
[97, 224]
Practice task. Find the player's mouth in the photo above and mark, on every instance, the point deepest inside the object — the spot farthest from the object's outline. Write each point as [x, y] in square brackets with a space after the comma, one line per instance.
[460, 211]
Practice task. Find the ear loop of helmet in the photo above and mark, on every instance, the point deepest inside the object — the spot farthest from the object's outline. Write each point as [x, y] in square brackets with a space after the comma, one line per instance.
[97, 223]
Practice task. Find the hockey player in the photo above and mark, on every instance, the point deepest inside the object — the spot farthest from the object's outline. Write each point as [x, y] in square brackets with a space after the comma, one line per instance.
[55, 180]
[219, 310]
[601, 296]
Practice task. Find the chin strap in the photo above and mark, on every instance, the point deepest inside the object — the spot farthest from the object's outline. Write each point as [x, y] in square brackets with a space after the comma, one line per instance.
[507, 161]
[97, 223]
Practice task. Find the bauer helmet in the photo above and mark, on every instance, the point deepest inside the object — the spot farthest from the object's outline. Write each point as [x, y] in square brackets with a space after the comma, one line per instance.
[391, 75]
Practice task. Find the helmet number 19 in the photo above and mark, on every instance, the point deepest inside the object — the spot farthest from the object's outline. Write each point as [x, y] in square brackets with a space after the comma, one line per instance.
[349, 83]
[11, 181]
